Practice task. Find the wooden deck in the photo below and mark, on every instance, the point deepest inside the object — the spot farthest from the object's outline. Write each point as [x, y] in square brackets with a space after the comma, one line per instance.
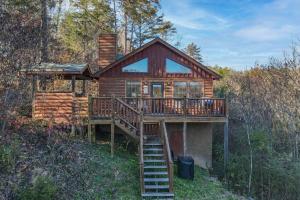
[62, 107]
[157, 109]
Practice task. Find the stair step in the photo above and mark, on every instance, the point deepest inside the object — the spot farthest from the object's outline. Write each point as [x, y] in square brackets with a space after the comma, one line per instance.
[154, 161]
[156, 179]
[155, 167]
[152, 144]
[158, 194]
[154, 155]
[153, 149]
[156, 186]
[155, 173]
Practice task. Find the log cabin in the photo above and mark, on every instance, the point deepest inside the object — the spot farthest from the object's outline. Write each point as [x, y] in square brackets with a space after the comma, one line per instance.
[156, 94]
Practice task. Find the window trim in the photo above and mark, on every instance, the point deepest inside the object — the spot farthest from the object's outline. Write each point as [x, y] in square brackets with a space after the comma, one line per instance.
[138, 60]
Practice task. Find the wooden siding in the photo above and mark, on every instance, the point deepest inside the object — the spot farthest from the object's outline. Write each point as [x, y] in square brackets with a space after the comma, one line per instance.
[157, 54]
[59, 107]
[113, 81]
[109, 86]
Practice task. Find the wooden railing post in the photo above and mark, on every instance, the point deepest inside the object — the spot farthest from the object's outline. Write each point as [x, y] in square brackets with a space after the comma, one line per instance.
[113, 109]
[186, 109]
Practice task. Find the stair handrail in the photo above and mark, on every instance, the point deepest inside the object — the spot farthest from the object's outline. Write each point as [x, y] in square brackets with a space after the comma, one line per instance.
[141, 149]
[128, 114]
[166, 146]
[127, 105]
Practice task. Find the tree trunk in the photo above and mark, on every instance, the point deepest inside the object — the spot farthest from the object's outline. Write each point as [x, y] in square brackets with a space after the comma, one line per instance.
[115, 16]
[251, 160]
[125, 33]
[44, 32]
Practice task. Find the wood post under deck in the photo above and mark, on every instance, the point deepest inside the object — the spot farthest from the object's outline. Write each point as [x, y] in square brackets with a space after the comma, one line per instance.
[112, 142]
[184, 137]
[89, 118]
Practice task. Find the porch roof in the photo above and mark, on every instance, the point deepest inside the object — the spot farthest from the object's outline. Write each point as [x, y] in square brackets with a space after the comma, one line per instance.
[81, 71]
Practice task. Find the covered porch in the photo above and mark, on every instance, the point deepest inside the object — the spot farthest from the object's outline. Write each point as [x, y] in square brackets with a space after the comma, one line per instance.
[60, 92]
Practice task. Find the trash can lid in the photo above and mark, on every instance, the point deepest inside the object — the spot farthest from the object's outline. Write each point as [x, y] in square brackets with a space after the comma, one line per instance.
[185, 158]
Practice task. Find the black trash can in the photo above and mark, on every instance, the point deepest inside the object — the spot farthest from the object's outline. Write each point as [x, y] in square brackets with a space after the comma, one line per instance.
[185, 167]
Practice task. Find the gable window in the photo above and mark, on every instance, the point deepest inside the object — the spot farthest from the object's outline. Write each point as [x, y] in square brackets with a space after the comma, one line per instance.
[188, 89]
[133, 88]
[174, 67]
[139, 66]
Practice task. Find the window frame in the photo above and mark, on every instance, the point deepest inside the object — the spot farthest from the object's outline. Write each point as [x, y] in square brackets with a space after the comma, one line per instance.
[188, 89]
[128, 72]
[177, 62]
[140, 88]
[174, 83]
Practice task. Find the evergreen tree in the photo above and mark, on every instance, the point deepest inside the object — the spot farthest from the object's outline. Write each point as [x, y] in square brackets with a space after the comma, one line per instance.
[194, 51]
[82, 24]
[141, 21]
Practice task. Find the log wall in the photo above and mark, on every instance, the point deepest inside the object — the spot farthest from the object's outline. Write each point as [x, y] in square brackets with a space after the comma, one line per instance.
[112, 81]
[59, 107]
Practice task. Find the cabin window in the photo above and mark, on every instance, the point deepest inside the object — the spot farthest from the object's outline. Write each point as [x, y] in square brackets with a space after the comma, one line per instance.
[188, 89]
[174, 67]
[139, 66]
[180, 89]
[133, 88]
[195, 90]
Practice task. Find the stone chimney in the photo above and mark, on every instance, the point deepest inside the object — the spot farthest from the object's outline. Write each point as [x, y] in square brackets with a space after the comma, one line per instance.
[107, 49]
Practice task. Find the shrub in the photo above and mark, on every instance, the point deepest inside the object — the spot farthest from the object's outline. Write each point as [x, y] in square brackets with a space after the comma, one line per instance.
[42, 188]
[6, 158]
[9, 154]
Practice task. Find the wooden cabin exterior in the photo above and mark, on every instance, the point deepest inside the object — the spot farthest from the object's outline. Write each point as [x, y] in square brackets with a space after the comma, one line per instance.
[59, 92]
[156, 91]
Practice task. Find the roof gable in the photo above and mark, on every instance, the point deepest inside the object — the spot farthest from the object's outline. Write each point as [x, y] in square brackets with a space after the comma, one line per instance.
[213, 74]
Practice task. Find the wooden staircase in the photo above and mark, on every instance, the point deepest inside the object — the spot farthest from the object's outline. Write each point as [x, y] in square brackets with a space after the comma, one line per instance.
[156, 179]
[156, 165]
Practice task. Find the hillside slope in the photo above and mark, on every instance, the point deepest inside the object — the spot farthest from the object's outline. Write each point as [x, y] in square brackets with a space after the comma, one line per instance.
[79, 170]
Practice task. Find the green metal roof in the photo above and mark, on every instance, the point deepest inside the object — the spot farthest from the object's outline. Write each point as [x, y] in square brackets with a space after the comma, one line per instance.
[53, 67]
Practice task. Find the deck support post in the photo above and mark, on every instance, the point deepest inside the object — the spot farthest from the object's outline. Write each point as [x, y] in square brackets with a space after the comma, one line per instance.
[73, 130]
[73, 83]
[225, 148]
[33, 85]
[89, 132]
[184, 137]
[89, 118]
[112, 142]
[84, 87]
[112, 128]
[94, 133]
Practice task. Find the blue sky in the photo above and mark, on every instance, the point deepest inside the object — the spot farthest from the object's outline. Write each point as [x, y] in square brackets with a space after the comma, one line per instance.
[236, 33]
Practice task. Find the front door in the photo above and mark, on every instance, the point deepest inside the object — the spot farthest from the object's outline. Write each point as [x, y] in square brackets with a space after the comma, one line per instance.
[157, 93]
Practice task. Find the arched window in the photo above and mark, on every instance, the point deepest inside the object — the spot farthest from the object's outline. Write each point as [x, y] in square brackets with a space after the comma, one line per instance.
[139, 66]
[174, 67]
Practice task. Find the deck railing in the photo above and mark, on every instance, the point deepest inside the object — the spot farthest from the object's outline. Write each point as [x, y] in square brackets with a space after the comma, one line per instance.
[190, 107]
[167, 152]
[101, 107]
[126, 113]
